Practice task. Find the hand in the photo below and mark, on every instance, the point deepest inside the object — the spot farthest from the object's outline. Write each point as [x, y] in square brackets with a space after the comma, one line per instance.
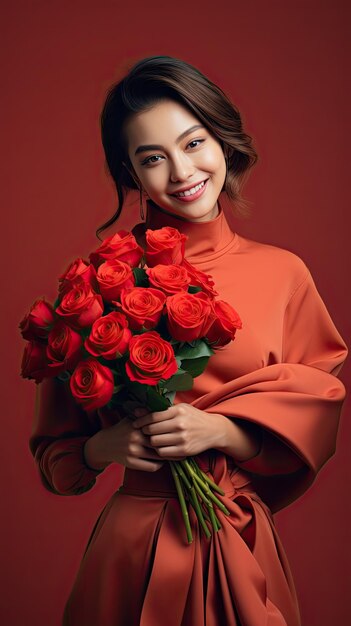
[124, 444]
[179, 431]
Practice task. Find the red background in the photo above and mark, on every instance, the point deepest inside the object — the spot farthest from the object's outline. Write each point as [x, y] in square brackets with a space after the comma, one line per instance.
[285, 66]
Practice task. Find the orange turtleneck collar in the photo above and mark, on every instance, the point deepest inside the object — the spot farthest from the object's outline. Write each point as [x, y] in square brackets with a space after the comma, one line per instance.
[205, 239]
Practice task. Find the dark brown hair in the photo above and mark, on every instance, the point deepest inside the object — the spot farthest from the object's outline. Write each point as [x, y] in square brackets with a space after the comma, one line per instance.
[156, 78]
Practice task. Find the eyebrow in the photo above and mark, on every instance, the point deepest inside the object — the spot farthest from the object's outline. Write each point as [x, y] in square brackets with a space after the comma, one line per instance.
[157, 147]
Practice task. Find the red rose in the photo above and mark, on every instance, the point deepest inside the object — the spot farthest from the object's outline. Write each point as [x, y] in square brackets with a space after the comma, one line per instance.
[64, 348]
[122, 246]
[77, 269]
[200, 279]
[151, 359]
[112, 277]
[109, 336]
[142, 306]
[189, 316]
[92, 384]
[169, 278]
[80, 306]
[225, 325]
[164, 246]
[38, 322]
[35, 362]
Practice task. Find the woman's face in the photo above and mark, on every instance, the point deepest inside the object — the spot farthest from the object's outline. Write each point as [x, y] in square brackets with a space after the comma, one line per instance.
[165, 162]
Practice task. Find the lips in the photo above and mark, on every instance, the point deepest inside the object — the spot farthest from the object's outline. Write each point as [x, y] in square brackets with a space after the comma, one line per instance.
[187, 188]
[194, 196]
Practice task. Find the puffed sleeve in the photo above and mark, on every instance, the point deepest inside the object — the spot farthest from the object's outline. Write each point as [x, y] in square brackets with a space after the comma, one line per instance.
[59, 432]
[296, 403]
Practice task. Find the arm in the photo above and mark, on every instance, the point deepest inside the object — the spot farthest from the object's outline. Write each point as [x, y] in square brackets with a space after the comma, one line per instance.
[60, 430]
[311, 339]
[296, 403]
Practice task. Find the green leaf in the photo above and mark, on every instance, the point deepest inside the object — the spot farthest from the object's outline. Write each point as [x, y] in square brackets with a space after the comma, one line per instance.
[195, 351]
[194, 289]
[155, 401]
[141, 277]
[118, 388]
[162, 329]
[66, 375]
[170, 395]
[179, 382]
[138, 391]
[195, 367]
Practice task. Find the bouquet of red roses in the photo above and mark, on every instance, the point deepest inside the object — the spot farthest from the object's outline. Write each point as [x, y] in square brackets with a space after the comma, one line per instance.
[130, 328]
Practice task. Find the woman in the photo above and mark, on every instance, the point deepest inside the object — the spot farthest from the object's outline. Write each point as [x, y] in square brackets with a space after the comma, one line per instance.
[263, 417]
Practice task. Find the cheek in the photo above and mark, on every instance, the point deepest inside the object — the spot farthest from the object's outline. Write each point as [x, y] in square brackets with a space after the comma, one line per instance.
[213, 159]
[154, 179]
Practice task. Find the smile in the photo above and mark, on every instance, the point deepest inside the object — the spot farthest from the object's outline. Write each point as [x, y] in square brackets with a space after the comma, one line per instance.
[191, 194]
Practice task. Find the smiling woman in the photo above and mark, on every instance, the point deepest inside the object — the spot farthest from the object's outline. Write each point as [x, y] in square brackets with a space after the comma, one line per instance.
[194, 127]
[262, 418]
[188, 173]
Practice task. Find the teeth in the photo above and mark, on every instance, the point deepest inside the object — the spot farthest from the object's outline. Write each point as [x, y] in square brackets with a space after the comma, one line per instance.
[191, 191]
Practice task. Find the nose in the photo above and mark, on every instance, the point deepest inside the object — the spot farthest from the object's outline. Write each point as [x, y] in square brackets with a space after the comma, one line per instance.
[182, 168]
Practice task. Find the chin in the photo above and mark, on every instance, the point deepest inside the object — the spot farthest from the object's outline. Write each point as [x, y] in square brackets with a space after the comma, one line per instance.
[193, 214]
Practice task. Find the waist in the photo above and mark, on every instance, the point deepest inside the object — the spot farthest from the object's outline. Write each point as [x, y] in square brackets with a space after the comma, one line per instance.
[161, 483]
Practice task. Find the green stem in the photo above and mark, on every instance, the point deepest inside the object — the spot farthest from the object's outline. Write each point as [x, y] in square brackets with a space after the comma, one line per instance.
[204, 476]
[213, 518]
[211, 495]
[182, 503]
[182, 474]
[197, 482]
[198, 510]
[193, 498]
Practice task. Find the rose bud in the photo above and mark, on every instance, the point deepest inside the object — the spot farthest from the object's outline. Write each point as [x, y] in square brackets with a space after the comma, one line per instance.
[92, 384]
[151, 359]
[226, 323]
[77, 269]
[169, 278]
[122, 246]
[39, 321]
[112, 277]
[142, 306]
[189, 316]
[164, 246]
[64, 348]
[34, 363]
[80, 306]
[200, 279]
[109, 336]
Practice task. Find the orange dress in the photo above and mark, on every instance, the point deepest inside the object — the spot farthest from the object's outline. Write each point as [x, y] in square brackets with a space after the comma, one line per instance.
[281, 373]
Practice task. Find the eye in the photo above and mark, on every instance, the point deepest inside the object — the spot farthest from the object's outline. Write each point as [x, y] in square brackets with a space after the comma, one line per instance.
[196, 141]
[148, 160]
[158, 156]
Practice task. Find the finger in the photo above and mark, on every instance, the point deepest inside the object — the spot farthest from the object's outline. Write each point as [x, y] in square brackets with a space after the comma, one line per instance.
[156, 416]
[149, 453]
[171, 451]
[168, 439]
[159, 428]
